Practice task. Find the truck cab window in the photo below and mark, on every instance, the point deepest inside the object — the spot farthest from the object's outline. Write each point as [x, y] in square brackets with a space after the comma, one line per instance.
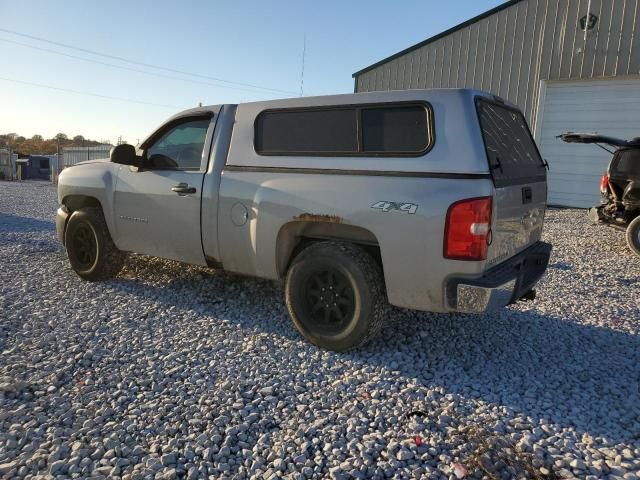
[180, 147]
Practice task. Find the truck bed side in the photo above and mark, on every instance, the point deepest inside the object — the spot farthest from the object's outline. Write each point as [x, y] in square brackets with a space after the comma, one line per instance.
[283, 208]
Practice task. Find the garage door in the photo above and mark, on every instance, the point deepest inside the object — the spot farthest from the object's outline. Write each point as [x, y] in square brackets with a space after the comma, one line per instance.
[608, 107]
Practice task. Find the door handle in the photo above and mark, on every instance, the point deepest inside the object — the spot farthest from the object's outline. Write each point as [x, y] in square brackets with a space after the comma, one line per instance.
[183, 189]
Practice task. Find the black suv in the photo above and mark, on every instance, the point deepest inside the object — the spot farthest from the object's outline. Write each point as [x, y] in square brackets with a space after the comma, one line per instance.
[620, 185]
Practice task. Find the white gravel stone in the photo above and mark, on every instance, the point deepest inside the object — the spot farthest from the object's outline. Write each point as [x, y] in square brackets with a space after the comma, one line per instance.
[173, 371]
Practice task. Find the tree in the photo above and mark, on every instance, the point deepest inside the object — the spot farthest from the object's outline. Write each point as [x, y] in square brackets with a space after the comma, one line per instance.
[37, 144]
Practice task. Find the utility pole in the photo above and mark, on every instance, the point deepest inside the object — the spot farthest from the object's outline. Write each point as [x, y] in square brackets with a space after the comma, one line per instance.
[59, 161]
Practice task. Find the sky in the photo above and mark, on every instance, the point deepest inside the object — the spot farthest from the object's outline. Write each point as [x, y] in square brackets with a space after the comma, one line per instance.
[253, 43]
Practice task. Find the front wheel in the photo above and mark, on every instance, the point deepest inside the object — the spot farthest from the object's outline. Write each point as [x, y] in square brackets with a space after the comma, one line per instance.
[335, 295]
[633, 235]
[91, 251]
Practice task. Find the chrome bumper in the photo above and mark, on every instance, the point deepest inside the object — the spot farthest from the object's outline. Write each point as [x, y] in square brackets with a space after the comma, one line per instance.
[475, 299]
[502, 285]
[61, 221]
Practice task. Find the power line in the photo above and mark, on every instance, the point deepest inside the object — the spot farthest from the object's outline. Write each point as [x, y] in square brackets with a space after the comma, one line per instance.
[135, 62]
[78, 92]
[162, 75]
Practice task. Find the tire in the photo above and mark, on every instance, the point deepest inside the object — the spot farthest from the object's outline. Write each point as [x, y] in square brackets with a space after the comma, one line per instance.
[345, 275]
[633, 235]
[91, 251]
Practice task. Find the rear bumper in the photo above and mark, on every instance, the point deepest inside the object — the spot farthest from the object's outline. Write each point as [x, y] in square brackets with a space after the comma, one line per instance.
[61, 221]
[500, 286]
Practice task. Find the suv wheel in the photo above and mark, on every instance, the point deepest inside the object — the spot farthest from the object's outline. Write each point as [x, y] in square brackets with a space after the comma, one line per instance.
[633, 235]
[91, 251]
[335, 295]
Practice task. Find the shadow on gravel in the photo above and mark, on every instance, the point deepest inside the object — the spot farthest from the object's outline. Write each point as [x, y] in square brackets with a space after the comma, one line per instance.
[574, 375]
[241, 300]
[15, 223]
[555, 369]
[27, 235]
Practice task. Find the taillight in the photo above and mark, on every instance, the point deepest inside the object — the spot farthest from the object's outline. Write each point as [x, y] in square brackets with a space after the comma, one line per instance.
[467, 229]
[604, 183]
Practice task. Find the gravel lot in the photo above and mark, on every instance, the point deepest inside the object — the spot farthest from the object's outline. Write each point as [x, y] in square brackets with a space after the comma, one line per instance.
[172, 371]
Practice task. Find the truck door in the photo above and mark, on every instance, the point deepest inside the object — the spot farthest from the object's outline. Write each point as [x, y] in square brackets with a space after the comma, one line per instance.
[157, 206]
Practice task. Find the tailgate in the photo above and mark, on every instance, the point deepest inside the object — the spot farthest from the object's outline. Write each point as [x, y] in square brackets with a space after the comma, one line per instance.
[519, 176]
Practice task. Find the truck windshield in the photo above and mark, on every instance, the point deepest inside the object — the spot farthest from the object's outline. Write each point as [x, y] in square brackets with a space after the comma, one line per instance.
[512, 154]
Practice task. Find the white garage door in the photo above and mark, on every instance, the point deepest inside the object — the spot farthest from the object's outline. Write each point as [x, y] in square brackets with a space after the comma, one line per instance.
[608, 107]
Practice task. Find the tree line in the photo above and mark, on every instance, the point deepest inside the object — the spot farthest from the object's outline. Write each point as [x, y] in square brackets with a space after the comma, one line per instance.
[38, 144]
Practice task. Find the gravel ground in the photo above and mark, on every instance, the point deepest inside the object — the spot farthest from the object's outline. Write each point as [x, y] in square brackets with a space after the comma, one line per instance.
[171, 371]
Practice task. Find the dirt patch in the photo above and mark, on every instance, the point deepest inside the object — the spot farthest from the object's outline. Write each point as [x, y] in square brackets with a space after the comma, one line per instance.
[311, 217]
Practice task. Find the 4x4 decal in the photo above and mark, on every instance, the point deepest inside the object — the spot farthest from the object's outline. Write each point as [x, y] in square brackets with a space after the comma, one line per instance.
[385, 206]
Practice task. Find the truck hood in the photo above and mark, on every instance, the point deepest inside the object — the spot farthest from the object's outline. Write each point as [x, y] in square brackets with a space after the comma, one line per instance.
[88, 162]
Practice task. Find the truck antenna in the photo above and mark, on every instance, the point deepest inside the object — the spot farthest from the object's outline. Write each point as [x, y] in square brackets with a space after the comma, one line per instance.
[304, 50]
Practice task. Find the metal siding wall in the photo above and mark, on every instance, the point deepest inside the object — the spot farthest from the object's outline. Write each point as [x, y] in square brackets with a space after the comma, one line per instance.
[634, 48]
[509, 52]
[73, 155]
[614, 37]
[626, 37]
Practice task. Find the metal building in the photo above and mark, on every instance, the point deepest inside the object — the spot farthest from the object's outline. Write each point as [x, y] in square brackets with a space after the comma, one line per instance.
[570, 65]
[73, 155]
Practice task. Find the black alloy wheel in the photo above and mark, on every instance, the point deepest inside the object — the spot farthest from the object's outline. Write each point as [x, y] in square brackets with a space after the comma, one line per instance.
[330, 301]
[85, 246]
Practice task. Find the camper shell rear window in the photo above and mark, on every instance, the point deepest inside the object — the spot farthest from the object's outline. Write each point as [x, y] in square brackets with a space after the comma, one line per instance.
[511, 151]
[388, 129]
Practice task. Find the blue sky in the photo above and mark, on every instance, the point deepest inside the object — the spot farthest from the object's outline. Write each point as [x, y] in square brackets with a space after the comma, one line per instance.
[257, 43]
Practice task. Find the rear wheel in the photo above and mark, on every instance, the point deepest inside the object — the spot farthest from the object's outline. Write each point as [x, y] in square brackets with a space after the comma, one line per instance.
[335, 295]
[633, 235]
[91, 251]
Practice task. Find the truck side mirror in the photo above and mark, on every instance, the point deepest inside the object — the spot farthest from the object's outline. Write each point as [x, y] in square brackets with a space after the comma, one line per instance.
[125, 154]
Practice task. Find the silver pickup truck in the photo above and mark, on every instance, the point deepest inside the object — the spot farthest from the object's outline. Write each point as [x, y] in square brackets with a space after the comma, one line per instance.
[425, 199]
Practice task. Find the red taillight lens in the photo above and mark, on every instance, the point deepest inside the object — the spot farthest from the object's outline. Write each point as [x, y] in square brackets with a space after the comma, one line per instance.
[604, 183]
[467, 229]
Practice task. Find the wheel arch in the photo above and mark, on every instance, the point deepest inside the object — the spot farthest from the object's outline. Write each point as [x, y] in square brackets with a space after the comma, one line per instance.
[295, 236]
[75, 202]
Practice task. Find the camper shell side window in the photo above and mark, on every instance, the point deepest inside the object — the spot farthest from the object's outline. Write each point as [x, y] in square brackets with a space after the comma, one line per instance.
[398, 129]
